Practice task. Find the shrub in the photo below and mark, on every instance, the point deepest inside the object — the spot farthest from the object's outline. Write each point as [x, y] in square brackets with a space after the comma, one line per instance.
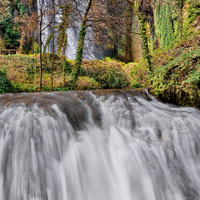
[86, 83]
[137, 74]
[109, 75]
[5, 84]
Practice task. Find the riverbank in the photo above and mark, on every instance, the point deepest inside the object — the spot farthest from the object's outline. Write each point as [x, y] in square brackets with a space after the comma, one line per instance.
[23, 73]
[175, 78]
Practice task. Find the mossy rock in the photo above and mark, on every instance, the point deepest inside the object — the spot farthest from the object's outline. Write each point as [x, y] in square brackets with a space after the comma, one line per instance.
[86, 83]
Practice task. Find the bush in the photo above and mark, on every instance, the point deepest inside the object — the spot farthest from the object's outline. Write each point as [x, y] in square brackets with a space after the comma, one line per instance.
[5, 84]
[23, 71]
[137, 74]
[178, 81]
[109, 75]
[86, 83]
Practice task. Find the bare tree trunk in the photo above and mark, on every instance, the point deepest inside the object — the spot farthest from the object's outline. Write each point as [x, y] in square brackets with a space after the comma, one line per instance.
[21, 43]
[79, 50]
[41, 19]
[53, 45]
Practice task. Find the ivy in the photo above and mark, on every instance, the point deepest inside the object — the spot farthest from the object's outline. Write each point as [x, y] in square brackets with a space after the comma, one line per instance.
[166, 25]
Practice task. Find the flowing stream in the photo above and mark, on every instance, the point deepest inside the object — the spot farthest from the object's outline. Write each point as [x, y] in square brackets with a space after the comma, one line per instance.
[104, 145]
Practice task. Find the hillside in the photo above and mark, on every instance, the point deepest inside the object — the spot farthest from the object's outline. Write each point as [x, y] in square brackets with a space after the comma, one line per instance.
[176, 75]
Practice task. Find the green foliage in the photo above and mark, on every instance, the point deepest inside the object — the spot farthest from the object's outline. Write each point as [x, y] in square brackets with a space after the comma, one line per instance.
[62, 34]
[194, 78]
[108, 59]
[2, 44]
[31, 70]
[193, 12]
[86, 83]
[36, 48]
[165, 24]
[49, 38]
[24, 73]
[137, 74]
[178, 81]
[8, 25]
[5, 84]
[111, 79]
[10, 34]
[145, 45]
[79, 57]
[109, 75]
[24, 87]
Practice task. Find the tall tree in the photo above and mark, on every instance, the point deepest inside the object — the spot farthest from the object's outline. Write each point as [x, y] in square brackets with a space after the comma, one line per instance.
[41, 17]
[53, 42]
[143, 32]
[46, 11]
[80, 46]
[62, 35]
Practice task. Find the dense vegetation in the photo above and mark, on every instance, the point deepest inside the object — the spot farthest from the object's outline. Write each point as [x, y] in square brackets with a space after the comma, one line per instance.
[152, 44]
[99, 74]
[176, 75]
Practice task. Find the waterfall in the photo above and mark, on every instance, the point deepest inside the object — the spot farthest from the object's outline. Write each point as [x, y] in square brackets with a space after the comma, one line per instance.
[120, 145]
[72, 32]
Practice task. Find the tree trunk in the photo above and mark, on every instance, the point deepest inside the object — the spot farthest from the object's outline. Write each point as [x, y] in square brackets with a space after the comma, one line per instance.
[180, 19]
[143, 35]
[145, 45]
[63, 56]
[79, 50]
[53, 45]
[41, 19]
[21, 43]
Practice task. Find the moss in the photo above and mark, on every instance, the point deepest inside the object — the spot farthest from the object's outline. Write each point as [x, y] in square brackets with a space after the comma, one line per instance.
[62, 33]
[79, 57]
[145, 45]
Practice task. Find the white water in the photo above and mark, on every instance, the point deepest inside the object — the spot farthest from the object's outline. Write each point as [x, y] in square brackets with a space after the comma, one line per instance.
[72, 32]
[82, 146]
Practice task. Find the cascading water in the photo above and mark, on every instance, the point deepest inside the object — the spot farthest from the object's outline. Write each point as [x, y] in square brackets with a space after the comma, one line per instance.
[72, 32]
[120, 145]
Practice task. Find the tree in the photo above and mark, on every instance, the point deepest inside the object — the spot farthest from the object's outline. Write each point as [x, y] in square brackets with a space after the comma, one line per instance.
[53, 42]
[112, 25]
[143, 32]
[28, 23]
[46, 11]
[80, 46]
[62, 35]
[8, 28]
[41, 16]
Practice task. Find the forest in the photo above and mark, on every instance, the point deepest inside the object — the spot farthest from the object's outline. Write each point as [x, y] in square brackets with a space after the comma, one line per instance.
[60, 45]
[99, 99]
